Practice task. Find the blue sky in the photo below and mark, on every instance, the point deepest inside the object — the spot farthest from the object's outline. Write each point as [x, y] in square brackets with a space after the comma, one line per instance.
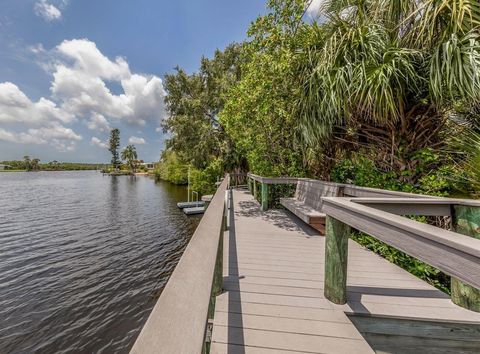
[72, 69]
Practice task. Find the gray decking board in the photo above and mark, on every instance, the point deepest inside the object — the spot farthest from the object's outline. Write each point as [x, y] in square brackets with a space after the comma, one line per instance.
[273, 280]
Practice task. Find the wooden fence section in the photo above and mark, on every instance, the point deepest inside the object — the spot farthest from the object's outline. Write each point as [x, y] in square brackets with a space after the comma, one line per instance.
[178, 321]
[348, 190]
[454, 254]
[465, 216]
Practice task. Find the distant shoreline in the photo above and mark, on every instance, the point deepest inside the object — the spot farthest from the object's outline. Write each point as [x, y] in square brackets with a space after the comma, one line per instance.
[64, 170]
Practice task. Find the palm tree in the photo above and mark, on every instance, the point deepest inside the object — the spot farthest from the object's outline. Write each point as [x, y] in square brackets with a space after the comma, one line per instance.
[385, 76]
[129, 154]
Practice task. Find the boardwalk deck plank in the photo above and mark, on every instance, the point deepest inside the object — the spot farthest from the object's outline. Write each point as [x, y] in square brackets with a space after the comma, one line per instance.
[273, 280]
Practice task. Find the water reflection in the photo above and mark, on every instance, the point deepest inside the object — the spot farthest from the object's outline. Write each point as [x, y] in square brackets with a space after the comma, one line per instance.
[83, 258]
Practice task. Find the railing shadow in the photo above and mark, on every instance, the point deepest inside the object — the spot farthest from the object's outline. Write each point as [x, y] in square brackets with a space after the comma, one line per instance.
[355, 294]
[234, 299]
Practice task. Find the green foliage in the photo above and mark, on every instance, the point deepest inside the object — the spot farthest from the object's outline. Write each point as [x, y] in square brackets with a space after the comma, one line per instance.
[277, 191]
[194, 102]
[257, 113]
[424, 271]
[467, 145]
[435, 175]
[203, 181]
[381, 74]
[171, 169]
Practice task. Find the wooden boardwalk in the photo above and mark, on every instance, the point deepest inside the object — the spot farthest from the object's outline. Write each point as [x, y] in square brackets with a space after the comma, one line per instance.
[273, 280]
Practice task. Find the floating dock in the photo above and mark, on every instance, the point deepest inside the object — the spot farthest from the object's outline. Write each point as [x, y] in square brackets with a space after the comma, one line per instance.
[194, 211]
[196, 204]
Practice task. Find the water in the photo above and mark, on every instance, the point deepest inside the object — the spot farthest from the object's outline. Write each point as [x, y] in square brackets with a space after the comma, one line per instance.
[83, 258]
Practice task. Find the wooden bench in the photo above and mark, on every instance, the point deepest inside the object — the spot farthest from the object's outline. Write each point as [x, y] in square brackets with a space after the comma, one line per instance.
[307, 203]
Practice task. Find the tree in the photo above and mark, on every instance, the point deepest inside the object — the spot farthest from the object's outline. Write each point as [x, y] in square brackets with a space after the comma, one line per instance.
[129, 154]
[258, 111]
[194, 102]
[114, 143]
[384, 78]
[27, 162]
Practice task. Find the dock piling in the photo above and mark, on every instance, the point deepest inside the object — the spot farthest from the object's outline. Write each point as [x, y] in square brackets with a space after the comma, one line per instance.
[466, 221]
[336, 256]
[264, 196]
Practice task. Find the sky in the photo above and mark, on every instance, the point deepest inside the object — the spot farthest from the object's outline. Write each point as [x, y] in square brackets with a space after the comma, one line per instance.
[71, 70]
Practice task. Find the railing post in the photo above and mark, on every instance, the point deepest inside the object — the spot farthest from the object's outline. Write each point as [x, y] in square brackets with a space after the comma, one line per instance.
[255, 189]
[466, 221]
[264, 196]
[336, 256]
[249, 183]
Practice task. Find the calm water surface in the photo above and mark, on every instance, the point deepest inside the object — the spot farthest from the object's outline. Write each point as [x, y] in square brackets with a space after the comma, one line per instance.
[83, 258]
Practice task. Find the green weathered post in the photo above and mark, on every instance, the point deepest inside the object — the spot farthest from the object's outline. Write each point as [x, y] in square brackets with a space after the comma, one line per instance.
[255, 189]
[249, 182]
[466, 221]
[264, 196]
[336, 255]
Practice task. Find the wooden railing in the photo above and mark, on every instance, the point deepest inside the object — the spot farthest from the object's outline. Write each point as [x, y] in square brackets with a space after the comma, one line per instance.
[347, 189]
[377, 213]
[454, 253]
[179, 321]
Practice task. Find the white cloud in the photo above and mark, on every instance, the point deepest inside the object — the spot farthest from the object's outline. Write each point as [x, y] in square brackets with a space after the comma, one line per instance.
[37, 48]
[97, 142]
[99, 123]
[47, 11]
[15, 106]
[81, 76]
[136, 140]
[158, 129]
[62, 138]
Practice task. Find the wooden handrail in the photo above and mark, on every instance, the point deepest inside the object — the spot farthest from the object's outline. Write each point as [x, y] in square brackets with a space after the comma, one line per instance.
[453, 253]
[178, 321]
[273, 180]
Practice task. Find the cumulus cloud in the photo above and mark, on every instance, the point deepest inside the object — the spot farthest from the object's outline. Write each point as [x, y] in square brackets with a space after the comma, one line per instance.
[80, 80]
[62, 138]
[97, 142]
[15, 106]
[44, 119]
[99, 123]
[136, 140]
[81, 76]
[47, 11]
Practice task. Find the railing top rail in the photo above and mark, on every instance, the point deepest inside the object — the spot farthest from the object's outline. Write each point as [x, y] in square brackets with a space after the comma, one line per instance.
[455, 254]
[273, 180]
[424, 201]
[351, 190]
[178, 320]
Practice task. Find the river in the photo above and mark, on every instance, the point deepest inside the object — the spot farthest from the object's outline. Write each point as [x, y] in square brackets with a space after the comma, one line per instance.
[83, 258]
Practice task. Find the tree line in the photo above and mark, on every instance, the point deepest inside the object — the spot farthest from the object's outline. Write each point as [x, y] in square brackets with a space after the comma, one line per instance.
[33, 164]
